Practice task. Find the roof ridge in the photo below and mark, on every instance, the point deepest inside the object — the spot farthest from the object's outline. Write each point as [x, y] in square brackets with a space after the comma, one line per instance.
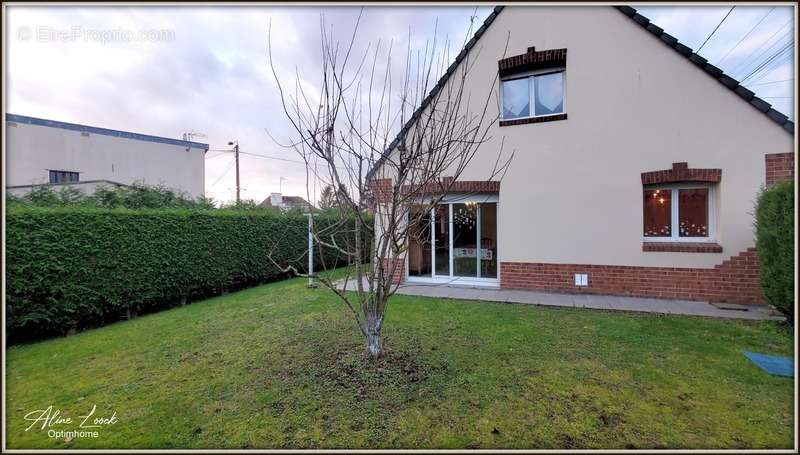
[710, 69]
[25, 119]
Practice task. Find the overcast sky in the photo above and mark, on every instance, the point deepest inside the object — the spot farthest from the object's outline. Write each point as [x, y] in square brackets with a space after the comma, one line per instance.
[170, 70]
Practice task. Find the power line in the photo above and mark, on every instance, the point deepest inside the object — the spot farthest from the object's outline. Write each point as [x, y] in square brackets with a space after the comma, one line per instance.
[270, 157]
[745, 36]
[262, 156]
[747, 66]
[273, 157]
[764, 71]
[715, 29]
[771, 63]
[746, 61]
[771, 82]
[227, 168]
[770, 59]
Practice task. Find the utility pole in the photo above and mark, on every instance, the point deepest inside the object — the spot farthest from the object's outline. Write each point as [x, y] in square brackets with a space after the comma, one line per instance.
[236, 153]
[310, 249]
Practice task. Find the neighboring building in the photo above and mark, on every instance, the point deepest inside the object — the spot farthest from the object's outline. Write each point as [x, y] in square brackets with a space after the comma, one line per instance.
[637, 164]
[49, 152]
[277, 200]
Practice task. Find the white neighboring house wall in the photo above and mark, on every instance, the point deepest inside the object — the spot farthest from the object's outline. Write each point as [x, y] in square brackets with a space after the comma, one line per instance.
[36, 146]
[276, 199]
[87, 187]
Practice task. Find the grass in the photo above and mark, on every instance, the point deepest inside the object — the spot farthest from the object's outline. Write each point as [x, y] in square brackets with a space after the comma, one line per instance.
[281, 366]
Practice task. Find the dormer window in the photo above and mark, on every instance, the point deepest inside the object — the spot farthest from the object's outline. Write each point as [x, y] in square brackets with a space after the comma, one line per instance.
[533, 95]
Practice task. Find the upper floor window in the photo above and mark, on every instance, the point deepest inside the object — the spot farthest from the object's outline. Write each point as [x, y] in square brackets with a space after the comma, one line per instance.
[535, 95]
[63, 177]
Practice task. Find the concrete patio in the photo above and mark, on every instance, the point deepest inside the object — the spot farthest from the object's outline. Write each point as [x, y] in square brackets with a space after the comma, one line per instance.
[595, 302]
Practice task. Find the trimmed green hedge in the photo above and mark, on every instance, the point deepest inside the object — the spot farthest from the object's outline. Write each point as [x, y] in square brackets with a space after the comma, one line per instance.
[74, 267]
[775, 244]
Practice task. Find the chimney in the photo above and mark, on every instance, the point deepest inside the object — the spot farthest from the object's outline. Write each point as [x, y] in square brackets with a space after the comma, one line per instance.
[276, 200]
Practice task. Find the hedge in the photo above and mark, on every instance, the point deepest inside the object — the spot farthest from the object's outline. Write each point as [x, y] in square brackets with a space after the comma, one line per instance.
[74, 267]
[775, 245]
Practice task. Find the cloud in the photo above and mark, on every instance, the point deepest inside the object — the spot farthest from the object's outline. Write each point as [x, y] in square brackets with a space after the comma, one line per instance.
[212, 77]
[209, 71]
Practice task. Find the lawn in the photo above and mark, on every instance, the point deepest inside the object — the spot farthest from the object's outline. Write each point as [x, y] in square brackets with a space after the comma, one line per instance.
[281, 366]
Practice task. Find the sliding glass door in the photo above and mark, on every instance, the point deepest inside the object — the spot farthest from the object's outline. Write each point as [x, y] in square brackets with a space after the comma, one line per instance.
[465, 237]
[488, 235]
[441, 238]
[454, 240]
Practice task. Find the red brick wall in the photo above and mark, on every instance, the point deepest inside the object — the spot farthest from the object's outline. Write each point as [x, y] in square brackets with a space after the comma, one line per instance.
[780, 167]
[381, 190]
[735, 280]
[460, 186]
[532, 60]
[681, 172]
[399, 271]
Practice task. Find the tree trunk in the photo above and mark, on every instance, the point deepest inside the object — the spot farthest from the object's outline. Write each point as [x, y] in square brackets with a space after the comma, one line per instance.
[374, 341]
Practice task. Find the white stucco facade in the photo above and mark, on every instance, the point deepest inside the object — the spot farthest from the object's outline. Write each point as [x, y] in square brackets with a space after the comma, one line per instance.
[573, 192]
[34, 147]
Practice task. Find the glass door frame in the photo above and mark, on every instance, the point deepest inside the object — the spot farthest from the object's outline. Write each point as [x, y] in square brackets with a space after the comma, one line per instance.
[477, 280]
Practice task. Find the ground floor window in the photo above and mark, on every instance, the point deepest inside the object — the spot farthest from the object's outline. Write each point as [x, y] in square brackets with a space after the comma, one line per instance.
[63, 177]
[678, 213]
[456, 239]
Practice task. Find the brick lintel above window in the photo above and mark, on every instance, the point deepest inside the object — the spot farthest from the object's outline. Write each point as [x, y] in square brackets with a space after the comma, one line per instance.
[681, 172]
[532, 60]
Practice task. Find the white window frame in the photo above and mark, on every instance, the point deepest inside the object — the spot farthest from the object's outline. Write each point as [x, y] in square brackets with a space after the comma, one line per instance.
[531, 91]
[675, 214]
[448, 201]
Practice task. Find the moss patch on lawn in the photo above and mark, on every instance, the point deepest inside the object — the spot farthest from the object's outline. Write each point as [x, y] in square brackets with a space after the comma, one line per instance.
[282, 366]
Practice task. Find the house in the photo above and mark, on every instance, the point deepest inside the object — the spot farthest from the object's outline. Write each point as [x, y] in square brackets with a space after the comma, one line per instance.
[277, 200]
[637, 165]
[58, 154]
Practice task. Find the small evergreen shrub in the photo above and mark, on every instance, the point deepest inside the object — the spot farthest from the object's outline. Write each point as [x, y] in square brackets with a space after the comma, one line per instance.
[775, 244]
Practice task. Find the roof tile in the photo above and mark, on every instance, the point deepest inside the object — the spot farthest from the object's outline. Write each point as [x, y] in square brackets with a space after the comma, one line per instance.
[777, 116]
[655, 29]
[698, 60]
[744, 93]
[682, 49]
[713, 70]
[641, 20]
[760, 104]
[728, 81]
[669, 39]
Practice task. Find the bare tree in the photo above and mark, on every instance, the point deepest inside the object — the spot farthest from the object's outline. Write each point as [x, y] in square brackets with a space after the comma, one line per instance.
[344, 136]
